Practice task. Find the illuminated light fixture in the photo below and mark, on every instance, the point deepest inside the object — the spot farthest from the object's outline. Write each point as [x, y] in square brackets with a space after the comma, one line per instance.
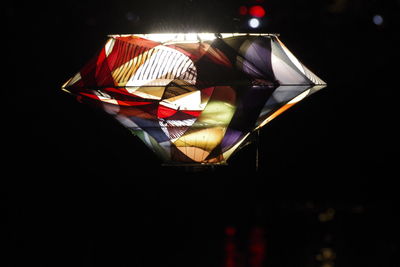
[377, 20]
[254, 23]
[257, 11]
[194, 98]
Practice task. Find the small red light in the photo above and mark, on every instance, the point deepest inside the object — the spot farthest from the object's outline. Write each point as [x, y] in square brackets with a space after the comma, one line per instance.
[243, 10]
[257, 11]
[230, 231]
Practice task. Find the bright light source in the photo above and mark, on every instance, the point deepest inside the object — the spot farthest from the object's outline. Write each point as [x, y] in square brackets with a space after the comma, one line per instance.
[377, 19]
[254, 23]
[257, 11]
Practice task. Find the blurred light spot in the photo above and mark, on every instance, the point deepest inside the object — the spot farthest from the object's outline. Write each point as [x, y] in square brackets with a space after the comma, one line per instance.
[257, 11]
[327, 257]
[254, 23]
[378, 20]
[326, 216]
[230, 247]
[257, 247]
[328, 254]
[130, 16]
[243, 10]
[230, 231]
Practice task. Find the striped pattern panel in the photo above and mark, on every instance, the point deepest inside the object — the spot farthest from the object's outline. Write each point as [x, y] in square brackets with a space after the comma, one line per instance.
[134, 65]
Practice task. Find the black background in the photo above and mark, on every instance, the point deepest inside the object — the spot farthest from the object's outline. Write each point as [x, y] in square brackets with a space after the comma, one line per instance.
[80, 189]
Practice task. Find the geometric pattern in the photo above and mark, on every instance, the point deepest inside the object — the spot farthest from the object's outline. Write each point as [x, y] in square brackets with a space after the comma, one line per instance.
[193, 98]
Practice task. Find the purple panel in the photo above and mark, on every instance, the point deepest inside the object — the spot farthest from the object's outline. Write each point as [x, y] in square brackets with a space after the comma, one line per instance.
[257, 59]
[230, 139]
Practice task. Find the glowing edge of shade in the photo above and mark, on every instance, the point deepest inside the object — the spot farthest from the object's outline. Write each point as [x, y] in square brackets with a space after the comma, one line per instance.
[188, 37]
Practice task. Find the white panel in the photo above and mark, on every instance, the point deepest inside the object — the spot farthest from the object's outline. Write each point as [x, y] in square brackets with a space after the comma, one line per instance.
[294, 60]
[188, 101]
[284, 73]
[109, 46]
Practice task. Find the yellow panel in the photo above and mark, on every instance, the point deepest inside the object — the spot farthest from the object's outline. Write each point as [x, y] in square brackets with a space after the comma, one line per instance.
[224, 93]
[195, 153]
[150, 92]
[123, 73]
[206, 139]
[216, 113]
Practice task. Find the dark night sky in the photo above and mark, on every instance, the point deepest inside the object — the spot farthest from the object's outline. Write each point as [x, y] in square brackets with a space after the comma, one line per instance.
[79, 186]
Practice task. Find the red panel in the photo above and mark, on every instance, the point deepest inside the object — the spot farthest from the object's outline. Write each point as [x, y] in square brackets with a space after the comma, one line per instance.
[164, 112]
[87, 75]
[123, 52]
[138, 41]
[132, 103]
[103, 73]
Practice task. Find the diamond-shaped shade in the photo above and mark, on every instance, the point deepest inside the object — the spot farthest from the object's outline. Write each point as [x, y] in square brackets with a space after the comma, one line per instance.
[193, 98]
